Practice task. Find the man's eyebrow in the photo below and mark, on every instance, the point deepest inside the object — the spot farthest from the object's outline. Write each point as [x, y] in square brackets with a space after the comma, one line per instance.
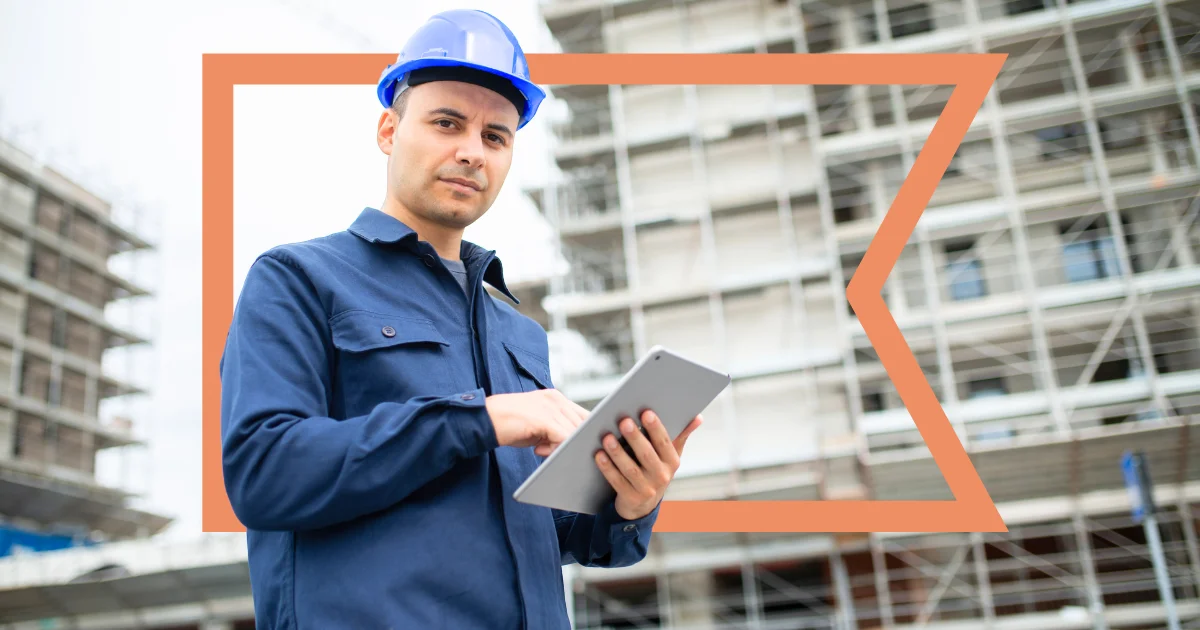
[500, 127]
[446, 111]
[454, 113]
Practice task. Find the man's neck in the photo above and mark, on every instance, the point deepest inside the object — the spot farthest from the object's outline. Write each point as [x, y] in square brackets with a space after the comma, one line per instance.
[446, 241]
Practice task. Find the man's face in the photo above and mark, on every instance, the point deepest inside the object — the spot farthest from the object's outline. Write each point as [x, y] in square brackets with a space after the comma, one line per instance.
[450, 152]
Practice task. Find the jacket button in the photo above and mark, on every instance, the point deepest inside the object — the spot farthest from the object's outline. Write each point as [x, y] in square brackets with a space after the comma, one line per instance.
[428, 260]
[468, 396]
[630, 527]
[388, 331]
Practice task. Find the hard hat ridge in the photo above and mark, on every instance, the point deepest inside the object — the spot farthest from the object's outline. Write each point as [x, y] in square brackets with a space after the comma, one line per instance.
[465, 45]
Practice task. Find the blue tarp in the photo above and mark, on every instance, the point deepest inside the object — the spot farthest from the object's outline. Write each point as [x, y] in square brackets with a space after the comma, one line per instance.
[13, 539]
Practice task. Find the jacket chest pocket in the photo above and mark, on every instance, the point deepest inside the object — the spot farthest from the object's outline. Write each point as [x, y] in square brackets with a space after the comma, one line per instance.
[530, 372]
[390, 357]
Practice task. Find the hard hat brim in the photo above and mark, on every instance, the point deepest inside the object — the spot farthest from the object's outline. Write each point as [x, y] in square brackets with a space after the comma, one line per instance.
[533, 94]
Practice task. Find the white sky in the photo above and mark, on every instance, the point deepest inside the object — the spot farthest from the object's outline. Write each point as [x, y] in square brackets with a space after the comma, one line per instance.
[111, 91]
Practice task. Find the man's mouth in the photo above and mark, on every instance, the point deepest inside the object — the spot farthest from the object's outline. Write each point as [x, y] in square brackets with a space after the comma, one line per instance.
[463, 185]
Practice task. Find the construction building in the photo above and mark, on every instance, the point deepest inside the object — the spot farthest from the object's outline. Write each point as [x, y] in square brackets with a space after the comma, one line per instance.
[1050, 294]
[56, 241]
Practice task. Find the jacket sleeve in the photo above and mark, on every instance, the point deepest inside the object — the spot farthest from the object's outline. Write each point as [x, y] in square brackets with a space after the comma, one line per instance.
[287, 464]
[604, 540]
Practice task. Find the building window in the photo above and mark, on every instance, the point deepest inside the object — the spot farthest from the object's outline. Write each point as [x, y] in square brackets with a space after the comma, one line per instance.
[1117, 369]
[1062, 142]
[58, 337]
[990, 388]
[913, 19]
[35, 378]
[1017, 7]
[872, 401]
[910, 20]
[986, 388]
[995, 432]
[1091, 257]
[952, 169]
[964, 271]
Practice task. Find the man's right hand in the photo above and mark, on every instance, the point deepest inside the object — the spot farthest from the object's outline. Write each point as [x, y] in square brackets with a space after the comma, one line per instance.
[542, 419]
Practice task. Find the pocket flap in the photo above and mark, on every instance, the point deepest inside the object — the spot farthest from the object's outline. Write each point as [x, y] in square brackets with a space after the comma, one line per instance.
[358, 331]
[531, 364]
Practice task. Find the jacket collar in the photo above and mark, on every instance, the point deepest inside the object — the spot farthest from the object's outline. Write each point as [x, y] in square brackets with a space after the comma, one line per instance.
[375, 226]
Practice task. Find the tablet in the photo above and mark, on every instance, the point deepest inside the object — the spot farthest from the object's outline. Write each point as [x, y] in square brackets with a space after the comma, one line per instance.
[675, 388]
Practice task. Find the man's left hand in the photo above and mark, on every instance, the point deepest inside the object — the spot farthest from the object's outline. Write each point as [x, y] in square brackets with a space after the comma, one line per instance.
[641, 483]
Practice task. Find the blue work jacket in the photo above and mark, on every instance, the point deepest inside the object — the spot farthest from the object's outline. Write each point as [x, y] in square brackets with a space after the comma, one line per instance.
[359, 454]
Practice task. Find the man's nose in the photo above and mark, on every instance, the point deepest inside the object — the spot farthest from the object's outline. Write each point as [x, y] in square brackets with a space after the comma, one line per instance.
[470, 152]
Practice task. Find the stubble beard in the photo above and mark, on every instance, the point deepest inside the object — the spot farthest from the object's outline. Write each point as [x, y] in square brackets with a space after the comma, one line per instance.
[446, 213]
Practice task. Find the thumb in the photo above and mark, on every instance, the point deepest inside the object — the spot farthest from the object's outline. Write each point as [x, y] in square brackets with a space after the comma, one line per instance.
[691, 427]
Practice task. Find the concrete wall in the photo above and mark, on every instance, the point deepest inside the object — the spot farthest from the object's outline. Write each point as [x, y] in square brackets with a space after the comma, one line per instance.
[749, 243]
[670, 258]
[708, 448]
[740, 170]
[762, 326]
[14, 252]
[776, 421]
[7, 432]
[745, 169]
[651, 32]
[685, 327]
[12, 307]
[821, 330]
[730, 24]
[7, 366]
[16, 199]
[665, 182]
[653, 110]
[709, 26]
[810, 238]
[723, 104]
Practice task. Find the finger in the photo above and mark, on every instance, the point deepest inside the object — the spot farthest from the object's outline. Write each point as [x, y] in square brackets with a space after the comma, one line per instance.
[573, 412]
[581, 412]
[683, 436]
[555, 411]
[565, 426]
[660, 439]
[612, 474]
[646, 455]
[577, 414]
[625, 463]
[554, 427]
[567, 418]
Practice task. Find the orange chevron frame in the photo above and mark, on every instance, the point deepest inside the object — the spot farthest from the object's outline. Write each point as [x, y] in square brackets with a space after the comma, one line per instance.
[973, 75]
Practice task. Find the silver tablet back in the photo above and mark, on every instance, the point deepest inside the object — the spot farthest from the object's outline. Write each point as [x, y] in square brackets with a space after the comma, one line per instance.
[675, 388]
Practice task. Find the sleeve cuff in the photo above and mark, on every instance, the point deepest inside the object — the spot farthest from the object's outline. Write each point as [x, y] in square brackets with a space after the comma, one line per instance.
[620, 527]
[474, 428]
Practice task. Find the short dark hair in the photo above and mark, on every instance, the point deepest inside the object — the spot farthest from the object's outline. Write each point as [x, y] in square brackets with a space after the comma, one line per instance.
[400, 103]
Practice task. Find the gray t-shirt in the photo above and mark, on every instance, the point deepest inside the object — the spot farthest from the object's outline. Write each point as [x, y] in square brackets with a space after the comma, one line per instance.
[459, 270]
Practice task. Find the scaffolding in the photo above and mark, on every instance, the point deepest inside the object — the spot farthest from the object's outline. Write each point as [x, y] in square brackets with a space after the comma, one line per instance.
[74, 295]
[1050, 294]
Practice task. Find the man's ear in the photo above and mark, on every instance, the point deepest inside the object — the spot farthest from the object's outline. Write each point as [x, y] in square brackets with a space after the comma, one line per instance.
[386, 130]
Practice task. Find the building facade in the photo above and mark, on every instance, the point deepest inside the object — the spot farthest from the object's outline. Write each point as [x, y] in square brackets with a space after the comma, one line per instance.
[55, 286]
[1050, 294]
[56, 240]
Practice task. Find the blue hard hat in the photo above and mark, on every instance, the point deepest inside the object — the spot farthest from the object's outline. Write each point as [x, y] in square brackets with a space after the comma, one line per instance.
[465, 38]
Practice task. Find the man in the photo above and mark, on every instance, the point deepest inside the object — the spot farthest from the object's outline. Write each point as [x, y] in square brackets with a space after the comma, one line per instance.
[379, 406]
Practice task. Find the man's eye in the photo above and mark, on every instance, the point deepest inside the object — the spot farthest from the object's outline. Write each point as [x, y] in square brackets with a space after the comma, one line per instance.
[444, 121]
[496, 138]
